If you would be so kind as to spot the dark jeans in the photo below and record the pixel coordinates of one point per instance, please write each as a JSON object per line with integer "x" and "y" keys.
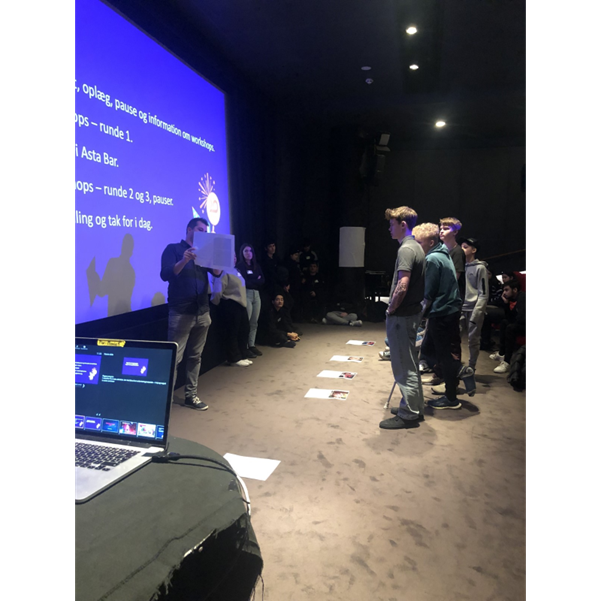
{"x": 446, "y": 341}
{"x": 428, "y": 350}
{"x": 235, "y": 318}
{"x": 494, "y": 315}
{"x": 509, "y": 334}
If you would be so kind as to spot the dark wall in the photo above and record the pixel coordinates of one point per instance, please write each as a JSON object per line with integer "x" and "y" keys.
{"x": 482, "y": 187}
{"x": 279, "y": 178}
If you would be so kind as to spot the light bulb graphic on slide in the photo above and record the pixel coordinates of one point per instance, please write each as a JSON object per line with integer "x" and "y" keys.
{"x": 208, "y": 199}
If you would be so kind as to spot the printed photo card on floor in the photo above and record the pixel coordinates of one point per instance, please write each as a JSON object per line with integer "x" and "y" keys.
{"x": 345, "y": 375}
{"x": 361, "y": 342}
{"x": 320, "y": 393}
{"x": 347, "y": 358}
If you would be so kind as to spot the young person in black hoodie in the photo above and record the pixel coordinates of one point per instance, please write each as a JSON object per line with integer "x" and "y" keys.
{"x": 307, "y": 256}
{"x": 495, "y": 311}
{"x": 513, "y": 325}
{"x": 270, "y": 267}
{"x": 294, "y": 282}
{"x": 276, "y": 326}
{"x": 314, "y": 295}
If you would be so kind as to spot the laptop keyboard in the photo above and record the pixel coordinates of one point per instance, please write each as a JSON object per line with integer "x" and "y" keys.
{"x": 97, "y": 457}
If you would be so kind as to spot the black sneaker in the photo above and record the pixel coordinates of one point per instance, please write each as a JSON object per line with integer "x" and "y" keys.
{"x": 443, "y": 403}
{"x": 255, "y": 351}
{"x": 395, "y": 410}
{"x": 196, "y": 403}
{"x": 248, "y": 354}
{"x": 289, "y": 344}
{"x": 396, "y": 423}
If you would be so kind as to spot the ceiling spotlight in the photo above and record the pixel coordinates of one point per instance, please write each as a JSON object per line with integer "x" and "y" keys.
{"x": 369, "y": 80}
{"x": 411, "y": 30}
{"x": 440, "y": 123}
{"x": 366, "y": 68}
{"x": 413, "y": 67}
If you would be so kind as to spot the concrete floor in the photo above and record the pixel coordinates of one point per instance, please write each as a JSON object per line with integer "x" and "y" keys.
{"x": 358, "y": 513}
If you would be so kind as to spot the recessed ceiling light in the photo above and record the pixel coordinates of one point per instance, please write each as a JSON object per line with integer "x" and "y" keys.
{"x": 369, "y": 80}
{"x": 366, "y": 68}
{"x": 413, "y": 67}
{"x": 411, "y": 30}
{"x": 440, "y": 123}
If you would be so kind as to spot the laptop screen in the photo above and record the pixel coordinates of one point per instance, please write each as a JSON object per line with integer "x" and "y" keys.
{"x": 123, "y": 389}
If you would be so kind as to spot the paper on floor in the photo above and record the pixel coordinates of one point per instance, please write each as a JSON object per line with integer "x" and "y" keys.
{"x": 252, "y": 467}
{"x": 361, "y": 342}
{"x": 346, "y": 358}
{"x": 345, "y": 375}
{"x": 320, "y": 393}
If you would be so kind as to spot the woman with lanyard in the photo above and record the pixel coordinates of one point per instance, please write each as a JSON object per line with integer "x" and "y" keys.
{"x": 253, "y": 276}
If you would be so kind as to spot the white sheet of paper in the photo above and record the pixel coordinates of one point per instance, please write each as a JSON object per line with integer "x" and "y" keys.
{"x": 320, "y": 393}
{"x": 361, "y": 342}
{"x": 327, "y": 373}
{"x": 252, "y": 467}
{"x": 214, "y": 250}
{"x": 346, "y": 358}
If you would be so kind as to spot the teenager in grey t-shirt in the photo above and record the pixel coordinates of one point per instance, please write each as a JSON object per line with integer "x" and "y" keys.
{"x": 410, "y": 257}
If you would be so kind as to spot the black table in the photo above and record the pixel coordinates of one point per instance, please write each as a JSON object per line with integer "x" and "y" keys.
{"x": 173, "y": 531}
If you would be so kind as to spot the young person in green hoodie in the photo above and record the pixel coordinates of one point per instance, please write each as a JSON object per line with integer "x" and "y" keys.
{"x": 443, "y": 304}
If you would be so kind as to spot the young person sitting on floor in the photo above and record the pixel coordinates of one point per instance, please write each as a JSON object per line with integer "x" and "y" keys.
{"x": 513, "y": 326}
{"x": 343, "y": 314}
{"x": 275, "y": 326}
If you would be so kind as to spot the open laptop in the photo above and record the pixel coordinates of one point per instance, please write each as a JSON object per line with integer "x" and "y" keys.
{"x": 123, "y": 394}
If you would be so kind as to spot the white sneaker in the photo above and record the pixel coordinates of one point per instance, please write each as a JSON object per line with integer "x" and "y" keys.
{"x": 357, "y": 323}
{"x": 243, "y": 363}
{"x": 502, "y": 369}
{"x": 496, "y": 357}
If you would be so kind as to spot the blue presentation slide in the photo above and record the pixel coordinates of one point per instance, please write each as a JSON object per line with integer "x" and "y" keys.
{"x": 150, "y": 154}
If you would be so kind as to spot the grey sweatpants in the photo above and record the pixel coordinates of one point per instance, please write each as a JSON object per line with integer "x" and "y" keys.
{"x": 335, "y": 317}
{"x": 471, "y": 322}
{"x": 401, "y": 333}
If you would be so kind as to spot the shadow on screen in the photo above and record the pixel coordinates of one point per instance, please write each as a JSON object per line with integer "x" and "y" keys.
{"x": 117, "y": 282}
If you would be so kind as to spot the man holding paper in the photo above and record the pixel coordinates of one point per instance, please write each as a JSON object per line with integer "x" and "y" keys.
{"x": 188, "y": 300}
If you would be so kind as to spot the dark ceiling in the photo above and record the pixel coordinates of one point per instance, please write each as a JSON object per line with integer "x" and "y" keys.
{"x": 307, "y": 56}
